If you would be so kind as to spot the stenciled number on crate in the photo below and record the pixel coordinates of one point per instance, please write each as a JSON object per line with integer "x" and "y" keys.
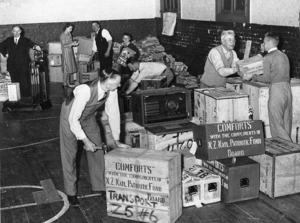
{"x": 181, "y": 145}
{"x": 128, "y": 212}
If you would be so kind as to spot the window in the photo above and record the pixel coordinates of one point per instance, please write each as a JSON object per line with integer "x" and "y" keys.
{"x": 232, "y": 11}
{"x": 170, "y": 6}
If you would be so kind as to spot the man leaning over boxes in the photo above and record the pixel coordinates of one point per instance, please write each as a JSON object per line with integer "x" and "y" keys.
{"x": 221, "y": 62}
{"x": 143, "y": 70}
{"x": 276, "y": 72}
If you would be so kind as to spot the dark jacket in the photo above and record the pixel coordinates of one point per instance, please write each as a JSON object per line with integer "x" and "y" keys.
{"x": 18, "y": 55}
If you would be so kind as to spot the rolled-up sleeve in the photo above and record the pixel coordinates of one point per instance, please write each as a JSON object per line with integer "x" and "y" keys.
{"x": 113, "y": 112}
{"x": 82, "y": 95}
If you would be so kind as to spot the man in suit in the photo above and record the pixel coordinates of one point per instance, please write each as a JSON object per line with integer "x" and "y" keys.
{"x": 277, "y": 73}
{"x": 102, "y": 45}
{"x": 16, "y": 48}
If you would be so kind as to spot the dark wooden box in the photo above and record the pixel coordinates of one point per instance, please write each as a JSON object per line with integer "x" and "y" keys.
{"x": 154, "y": 83}
{"x": 153, "y": 107}
{"x": 240, "y": 180}
{"x": 229, "y": 139}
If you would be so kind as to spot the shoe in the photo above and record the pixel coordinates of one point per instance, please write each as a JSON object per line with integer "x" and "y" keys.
{"x": 73, "y": 200}
{"x": 102, "y": 193}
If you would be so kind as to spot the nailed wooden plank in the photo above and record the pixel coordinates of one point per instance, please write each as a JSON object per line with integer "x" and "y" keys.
{"x": 50, "y": 190}
{"x": 247, "y": 49}
{"x": 40, "y": 197}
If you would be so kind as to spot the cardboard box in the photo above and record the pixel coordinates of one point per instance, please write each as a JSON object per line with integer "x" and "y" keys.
{"x": 240, "y": 180}
{"x": 83, "y": 57}
{"x": 279, "y": 168}
{"x": 13, "y": 90}
{"x": 231, "y": 139}
{"x": 89, "y": 76}
{"x": 96, "y": 65}
{"x": 204, "y": 183}
{"x": 154, "y": 83}
{"x": 151, "y": 180}
{"x": 188, "y": 159}
{"x": 252, "y": 65}
{"x": 54, "y": 48}
{"x": 55, "y": 74}
{"x": 54, "y": 60}
{"x": 215, "y": 105}
{"x": 3, "y": 92}
{"x": 85, "y": 46}
{"x": 258, "y": 99}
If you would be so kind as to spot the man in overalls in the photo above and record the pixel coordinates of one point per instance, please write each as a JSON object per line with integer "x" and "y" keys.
{"x": 78, "y": 122}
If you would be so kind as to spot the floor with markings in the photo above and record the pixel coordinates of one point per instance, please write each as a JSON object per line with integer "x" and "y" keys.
{"x": 31, "y": 180}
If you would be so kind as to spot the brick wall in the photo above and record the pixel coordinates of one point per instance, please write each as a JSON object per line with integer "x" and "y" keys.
{"x": 193, "y": 40}
{"x": 42, "y": 33}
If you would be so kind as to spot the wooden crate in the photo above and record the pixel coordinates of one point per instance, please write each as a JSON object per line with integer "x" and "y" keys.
{"x": 231, "y": 139}
{"x": 13, "y": 91}
{"x": 88, "y": 76}
{"x": 258, "y": 99}
{"x": 55, "y": 74}
{"x": 203, "y": 183}
{"x": 154, "y": 83}
{"x": 143, "y": 185}
{"x": 3, "y": 92}
{"x": 279, "y": 168}
{"x": 216, "y": 105}
{"x": 240, "y": 180}
{"x": 54, "y": 48}
{"x": 54, "y": 60}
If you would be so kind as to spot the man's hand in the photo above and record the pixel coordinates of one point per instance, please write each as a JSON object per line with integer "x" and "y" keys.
{"x": 121, "y": 145}
{"x": 106, "y": 54}
{"x": 89, "y": 145}
{"x": 75, "y": 43}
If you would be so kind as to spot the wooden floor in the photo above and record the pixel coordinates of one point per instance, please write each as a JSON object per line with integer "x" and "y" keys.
{"x": 29, "y": 153}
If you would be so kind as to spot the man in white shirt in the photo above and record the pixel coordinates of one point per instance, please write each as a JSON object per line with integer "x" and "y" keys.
{"x": 78, "y": 122}
{"x": 221, "y": 62}
{"x": 103, "y": 45}
{"x": 144, "y": 70}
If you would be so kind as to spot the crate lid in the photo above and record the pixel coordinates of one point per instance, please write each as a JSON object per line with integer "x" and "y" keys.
{"x": 142, "y": 154}
{"x": 221, "y": 93}
{"x": 256, "y": 84}
{"x": 278, "y": 146}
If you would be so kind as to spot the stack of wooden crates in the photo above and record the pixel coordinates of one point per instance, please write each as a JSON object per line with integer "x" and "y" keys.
{"x": 55, "y": 62}
{"x": 225, "y": 137}
{"x": 279, "y": 169}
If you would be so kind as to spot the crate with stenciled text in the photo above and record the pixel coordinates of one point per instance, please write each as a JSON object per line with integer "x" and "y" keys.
{"x": 214, "y": 105}
{"x": 240, "y": 178}
{"x": 279, "y": 168}
{"x": 143, "y": 185}
{"x": 230, "y": 139}
{"x": 203, "y": 186}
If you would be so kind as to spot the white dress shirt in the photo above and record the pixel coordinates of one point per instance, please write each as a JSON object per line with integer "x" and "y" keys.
{"x": 82, "y": 95}
{"x": 105, "y": 34}
{"x": 16, "y": 39}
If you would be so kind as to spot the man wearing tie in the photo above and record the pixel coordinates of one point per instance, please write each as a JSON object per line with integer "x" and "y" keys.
{"x": 78, "y": 122}
{"x": 16, "y": 48}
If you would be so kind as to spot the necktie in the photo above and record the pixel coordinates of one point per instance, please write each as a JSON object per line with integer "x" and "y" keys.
{"x": 16, "y": 41}
{"x": 104, "y": 97}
